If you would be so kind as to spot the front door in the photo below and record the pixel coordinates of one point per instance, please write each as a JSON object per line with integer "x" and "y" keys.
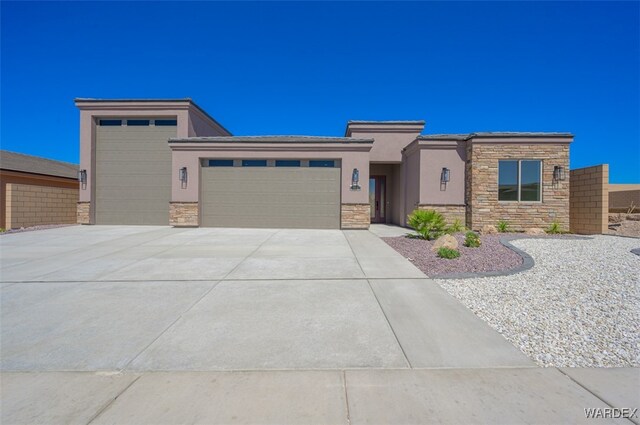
{"x": 377, "y": 198}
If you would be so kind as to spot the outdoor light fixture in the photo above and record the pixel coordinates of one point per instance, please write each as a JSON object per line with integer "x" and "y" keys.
{"x": 182, "y": 176}
{"x": 559, "y": 173}
{"x": 82, "y": 178}
{"x": 355, "y": 179}
{"x": 444, "y": 175}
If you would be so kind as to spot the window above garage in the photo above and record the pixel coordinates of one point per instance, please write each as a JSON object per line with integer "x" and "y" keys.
{"x": 137, "y": 122}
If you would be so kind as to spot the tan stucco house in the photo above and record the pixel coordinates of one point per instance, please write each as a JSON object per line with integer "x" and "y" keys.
{"x": 167, "y": 162}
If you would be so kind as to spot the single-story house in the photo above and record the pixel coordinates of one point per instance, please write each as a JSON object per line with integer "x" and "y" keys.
{"x": 36, "y": 191}
{"x": 168, "y": 162}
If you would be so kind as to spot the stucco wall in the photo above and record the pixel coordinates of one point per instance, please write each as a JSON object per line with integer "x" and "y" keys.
{"x": 433, "y": 157}
{"x": 29, "y": 205}
{"x": 412, "y": 183}
{"x": 484, "y": 207}
{"x": 189, "y": 155}
{"x": 590, "y": 200}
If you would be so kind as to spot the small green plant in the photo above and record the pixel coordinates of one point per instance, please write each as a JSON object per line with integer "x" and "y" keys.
{"x": 2, "y": 230}
{"x": 455, "y": 227}
{"x": 429, "y": 224}
{"x": 554, "y": 228}
{"x": 503, "y": 226}
{"x": 471, "y": 240}
{"x": 448, "y": 253}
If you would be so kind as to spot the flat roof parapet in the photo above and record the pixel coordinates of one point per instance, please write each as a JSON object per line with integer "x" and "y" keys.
{"x": 270, "y": 139}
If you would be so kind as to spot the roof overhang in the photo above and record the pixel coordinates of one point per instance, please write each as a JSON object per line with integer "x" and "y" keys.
{"x": 143, "y": 105}
{"x": 384, "y": 127}
{"x": 270, "y": 143}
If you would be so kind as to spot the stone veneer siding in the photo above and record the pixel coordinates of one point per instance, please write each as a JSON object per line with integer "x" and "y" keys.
{"x": 183, "y": 214}
{"x": 83, "y": 213}
{"x": 450, "y": 212}
{"x": 590, "y": 200}
{"x": 29, "y": 205}
{"x": 483, "y": 206}
{"x": 355, "y": 216}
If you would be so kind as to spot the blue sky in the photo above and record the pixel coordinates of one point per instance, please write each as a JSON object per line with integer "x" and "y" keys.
{"x": 307, "y": 68}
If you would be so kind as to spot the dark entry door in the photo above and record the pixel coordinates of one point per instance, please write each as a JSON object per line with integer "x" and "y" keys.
{"x": 377, "y": 198}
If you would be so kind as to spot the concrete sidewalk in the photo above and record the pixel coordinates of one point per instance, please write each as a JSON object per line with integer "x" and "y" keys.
{"x": 161, "y": 325}
{"x": 391, "y": 396}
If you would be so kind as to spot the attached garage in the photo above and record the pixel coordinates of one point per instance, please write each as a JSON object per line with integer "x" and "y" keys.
{"x": 270, "y": 197}
{"x": 133, "y": 171}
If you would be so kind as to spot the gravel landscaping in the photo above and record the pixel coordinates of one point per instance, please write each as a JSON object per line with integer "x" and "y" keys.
{"x": 579, "y": 306}
{"x": 490, "y": 256}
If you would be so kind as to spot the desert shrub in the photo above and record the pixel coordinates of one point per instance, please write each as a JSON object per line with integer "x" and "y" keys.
{"x": 471, "y": 240}
{"x": 503, "y": 226}
{"x": 429, "y": 224}
{"x": 448, "y": 253}
{"x": 554, "y": 228}
{"x": 455, "y": 227}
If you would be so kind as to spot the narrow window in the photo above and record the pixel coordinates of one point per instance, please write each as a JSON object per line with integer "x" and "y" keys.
{"x": 530, "y": 181}
{"x": 508, "y": 181}
{"x": 321, "y": 163}
{"x": 110, "y": 123}
{"x": 520, "y": 180}
{"x": 166, "y": 123}
{"x": 221, "y": 163}
{"x": 287, "y": 163}
{"x": 137, "y": 123}
{"x": 254, "y": 162}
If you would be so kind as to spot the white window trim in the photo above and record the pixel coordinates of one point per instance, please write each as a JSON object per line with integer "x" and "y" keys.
{"x": 519, "y": 182}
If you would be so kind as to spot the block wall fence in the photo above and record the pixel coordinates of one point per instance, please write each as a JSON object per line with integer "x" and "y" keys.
{"x": 30, "y": 205}
{"x": 589, "y": 200}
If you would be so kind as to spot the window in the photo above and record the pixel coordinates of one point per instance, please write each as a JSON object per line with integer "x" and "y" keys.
{"x": 221, "y": 163}
{"x": 287, "y": 163}
{"x": 140, "y": 123}
{"x": 321, "y": 163}
{"x": 254, "y": 162}
{"x": 520, "y": 180}
{"x": 166, "y": 123}
{"x": 110, "y": 123}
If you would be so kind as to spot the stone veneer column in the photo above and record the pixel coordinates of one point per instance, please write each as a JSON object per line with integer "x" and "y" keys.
{"x": 355, "y": 216}
{"x": 83, "y": 213}
{"x": 183, "y": 214}
{"x": 482, "y": 186}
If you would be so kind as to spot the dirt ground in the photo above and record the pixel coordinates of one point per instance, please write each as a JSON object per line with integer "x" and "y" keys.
{"x": 624, "y": 224}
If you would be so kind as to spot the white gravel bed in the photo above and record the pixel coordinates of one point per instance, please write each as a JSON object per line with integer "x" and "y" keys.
{"x": 579, "y": 306}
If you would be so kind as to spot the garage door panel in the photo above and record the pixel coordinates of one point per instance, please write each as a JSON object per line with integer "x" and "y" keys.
{"x": 271, "y": 197}
{"x": 133, "y": 175}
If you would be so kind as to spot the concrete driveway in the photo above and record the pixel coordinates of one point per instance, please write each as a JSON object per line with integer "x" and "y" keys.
{"x": 105, "y": 324}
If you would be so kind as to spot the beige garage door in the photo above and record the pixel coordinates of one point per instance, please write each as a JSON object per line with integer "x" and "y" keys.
{"x": 133, "y": 174}
{"x": 270, "y": 197}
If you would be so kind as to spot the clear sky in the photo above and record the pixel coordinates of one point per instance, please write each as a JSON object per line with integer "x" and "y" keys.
{"x": 307, "y": 68}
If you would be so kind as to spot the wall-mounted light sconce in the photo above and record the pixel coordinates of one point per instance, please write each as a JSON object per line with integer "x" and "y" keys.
{"x": 183, "y": 177}
{"x": 355, "y": 179}
{"x": 445, "y": 175}
{"x": 82, "y": 178}
{"x": 559, "y": 173}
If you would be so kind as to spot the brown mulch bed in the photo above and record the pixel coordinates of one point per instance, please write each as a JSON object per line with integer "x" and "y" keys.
{"x": 490, "y": 256}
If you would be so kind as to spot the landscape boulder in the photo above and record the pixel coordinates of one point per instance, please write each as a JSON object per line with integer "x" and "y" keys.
{"x": 535, "y": 231}
{"x": 445, "y": 241}
{"x": 489, "y": 229}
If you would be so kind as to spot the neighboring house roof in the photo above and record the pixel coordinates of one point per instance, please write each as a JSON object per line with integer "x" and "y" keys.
{"x": 36, "y": 165}
{"x": 270, "y": 139}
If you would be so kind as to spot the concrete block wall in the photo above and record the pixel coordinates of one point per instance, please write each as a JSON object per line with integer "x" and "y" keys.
{"x": 589, "y": 200}
{"x": 622, "y": 197}
{"x": 30, "y": 205}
